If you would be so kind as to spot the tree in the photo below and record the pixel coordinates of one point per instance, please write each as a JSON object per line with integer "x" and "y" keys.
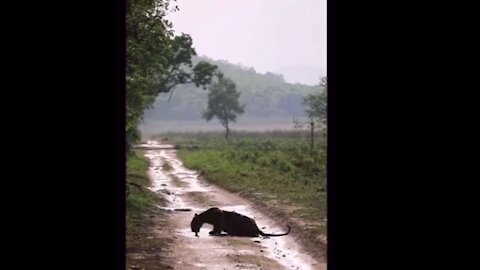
{"x": 157, "y": 60}
{"x": 316, "y": 108}
{"x": 317, "y": 103}
{"x": 223, "y": 103}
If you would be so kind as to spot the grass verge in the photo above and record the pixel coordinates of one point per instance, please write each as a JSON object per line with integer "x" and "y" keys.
{"x": 145, "y": 249}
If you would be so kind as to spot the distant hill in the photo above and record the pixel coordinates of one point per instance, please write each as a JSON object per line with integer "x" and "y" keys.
{"x": 302, "y": 74}
{"x": 268, "y": 98}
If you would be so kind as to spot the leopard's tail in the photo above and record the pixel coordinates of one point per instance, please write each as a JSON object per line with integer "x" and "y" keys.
{"x": 270, "y": 234}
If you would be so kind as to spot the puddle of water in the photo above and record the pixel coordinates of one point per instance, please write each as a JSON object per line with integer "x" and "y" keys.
{"x": 205, "y": 238}
{"x": 189, "y": 234}
{"x": 246, "y": 252}
{"x": 241, "y": 208}
{"x": 154, "y": 145}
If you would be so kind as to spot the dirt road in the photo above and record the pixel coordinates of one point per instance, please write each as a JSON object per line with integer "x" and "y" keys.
{"x": 188, "y": 194}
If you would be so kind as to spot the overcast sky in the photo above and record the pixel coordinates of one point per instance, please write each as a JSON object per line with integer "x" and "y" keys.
{"x": 282, "y": 36}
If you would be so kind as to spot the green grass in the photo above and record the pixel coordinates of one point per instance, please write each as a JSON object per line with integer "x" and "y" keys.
{"x": 139, "y": 199}
{"x": 273, "y": 168}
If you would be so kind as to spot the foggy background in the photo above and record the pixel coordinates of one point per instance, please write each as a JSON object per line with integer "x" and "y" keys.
{"x": 281, "y": 36}
{"x": 274, "y": 50}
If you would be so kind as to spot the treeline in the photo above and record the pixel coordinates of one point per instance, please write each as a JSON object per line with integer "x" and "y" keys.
{"x": 265, "y": 96}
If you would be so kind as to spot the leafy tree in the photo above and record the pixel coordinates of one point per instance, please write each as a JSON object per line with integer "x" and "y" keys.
{"x": 317, "y": 104}
{"x": 316, "y": 110}
{"x": 223, "y": 103}
{"x": 157, "y": 61}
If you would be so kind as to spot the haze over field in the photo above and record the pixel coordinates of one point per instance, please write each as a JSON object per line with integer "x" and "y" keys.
{"x": 274, "y": 50}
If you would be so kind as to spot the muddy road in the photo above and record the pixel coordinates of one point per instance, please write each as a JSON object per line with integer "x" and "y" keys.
{"x": 188, "y": 194}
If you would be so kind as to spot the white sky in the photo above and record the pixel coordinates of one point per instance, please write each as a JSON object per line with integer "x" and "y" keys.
{"x": 269, "y": 35}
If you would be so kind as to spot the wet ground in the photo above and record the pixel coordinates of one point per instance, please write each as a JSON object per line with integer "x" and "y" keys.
{"x": 188, "y": 194}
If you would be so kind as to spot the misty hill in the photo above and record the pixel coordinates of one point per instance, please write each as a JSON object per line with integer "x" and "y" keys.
{"x": 302, "y": 74}
{"x": 268, "y": 98}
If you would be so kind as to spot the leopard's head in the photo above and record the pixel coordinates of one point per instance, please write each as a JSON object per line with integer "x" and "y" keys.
{"x": 196, "y": 224}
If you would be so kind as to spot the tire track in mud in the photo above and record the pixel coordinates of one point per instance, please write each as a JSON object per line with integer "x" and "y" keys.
{"x": 187, "y": 194}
